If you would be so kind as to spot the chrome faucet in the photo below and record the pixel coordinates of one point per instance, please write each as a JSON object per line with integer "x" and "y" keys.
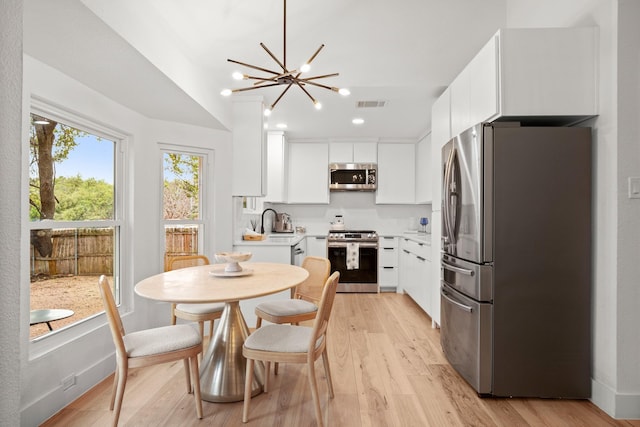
{"x": 262, "y": 220}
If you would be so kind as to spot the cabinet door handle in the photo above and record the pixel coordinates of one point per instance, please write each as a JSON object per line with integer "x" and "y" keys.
{"x": 388, "y": 268}
{"x": 388, "y": 249}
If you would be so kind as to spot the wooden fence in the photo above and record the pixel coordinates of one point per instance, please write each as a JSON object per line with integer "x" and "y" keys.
{"x": 89, "y": 251}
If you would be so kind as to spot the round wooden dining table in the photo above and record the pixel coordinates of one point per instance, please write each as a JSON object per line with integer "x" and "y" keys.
{"x": 223, "y": 367}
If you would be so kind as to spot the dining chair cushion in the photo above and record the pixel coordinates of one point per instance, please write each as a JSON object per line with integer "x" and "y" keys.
{"x": 281, "y": 338}
{"x": 289, "y": 307}
{"x": 200, "y": 308}
{"x": 161, "y": 340}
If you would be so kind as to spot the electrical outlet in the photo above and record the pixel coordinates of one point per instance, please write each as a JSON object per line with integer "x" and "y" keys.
{"x": 68, "y": 382}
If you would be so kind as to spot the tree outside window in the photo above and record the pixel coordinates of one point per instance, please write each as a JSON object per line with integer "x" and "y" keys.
{"x": 73, "y": 224}
{"x": 182, "y": 198}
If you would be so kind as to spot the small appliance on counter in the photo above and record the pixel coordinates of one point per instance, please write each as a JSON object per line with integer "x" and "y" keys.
{"x": 281, "y": 222}
{"x": 338, "y": 223}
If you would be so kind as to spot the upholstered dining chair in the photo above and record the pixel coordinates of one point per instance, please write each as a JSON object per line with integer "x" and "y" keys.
{"x": 293, "y": 344}
{"x": 304, "y": 303}
{"x": 149, "y": 347}
{"x": 194, "y": 312}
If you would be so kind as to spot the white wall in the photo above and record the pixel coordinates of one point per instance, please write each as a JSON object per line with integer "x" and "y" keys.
{"x": 359, "y": 212}
{"x": 90, "y": 356}
{"x": 616, "y": 355}
{"x": 10, "y": 208}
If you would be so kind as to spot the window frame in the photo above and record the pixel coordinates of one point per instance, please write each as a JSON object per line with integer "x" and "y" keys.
{"x": 205, "y": 196}
{"x": 45, "y": 343}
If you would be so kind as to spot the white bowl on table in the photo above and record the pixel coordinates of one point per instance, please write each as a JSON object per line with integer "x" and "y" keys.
{"x": 232, "y": 259}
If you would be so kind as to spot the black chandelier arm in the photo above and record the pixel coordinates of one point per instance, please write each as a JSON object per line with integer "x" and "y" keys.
{"x": 254, "y": 67}
{"x": 284, "y": 68}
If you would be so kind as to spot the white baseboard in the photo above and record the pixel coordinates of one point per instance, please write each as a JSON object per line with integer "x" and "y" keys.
{"x": 617, "y": 405}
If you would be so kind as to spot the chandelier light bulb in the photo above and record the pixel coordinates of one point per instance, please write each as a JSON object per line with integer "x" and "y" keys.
{"x": 305, "y": 68}
{"x": 267, "y": 112}
{"x": 237, "y": 75}
{"x": 357, "y": 121}
{"x": 317, "y": 105}
{"x": 225, "y": 92}
{"x": 344, "y": 91}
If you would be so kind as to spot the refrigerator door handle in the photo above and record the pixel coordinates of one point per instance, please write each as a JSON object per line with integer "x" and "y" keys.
{"x": 461, "y": 306}
{"x": 457, "y": 269}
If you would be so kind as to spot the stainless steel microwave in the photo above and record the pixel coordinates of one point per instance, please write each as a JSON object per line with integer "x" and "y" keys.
{"x": 353, "y": 177}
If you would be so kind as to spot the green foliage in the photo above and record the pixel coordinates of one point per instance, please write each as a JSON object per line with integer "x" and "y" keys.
{"x": 79, "y": 199}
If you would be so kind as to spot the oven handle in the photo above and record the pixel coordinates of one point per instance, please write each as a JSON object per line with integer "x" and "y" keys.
{"x": 455, "y": 269}
{"x": 344, "y": 245}
{"x": 461, "y": 306}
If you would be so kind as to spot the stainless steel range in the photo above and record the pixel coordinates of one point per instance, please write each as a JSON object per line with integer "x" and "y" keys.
{"x": 355, "y": 255}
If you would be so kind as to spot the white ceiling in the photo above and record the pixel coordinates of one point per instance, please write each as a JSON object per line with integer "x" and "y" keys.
{"x": 167, "y": 59}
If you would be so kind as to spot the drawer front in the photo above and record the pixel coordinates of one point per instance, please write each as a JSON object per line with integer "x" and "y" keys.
{"x": 388, "y": 276}
{"x": 388, "y": 257}
{"x": 388, "y": 242}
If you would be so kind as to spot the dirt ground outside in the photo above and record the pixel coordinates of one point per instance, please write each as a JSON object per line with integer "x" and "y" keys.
{"x": 77, "y": 293}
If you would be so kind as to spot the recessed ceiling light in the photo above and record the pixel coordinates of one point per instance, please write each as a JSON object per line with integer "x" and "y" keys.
{"x": 281, "y": 125}
{"x": 357, "y": 121}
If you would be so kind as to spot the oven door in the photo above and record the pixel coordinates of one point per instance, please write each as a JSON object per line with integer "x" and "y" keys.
{"x": 465, "y": 335}
{"x": 361, "y": 279}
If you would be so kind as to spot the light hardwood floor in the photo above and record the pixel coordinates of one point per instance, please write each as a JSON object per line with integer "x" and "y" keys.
{"x": 388, "y": 370}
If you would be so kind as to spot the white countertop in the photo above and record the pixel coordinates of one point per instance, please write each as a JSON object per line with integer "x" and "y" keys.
{"x": 284, "y": 239}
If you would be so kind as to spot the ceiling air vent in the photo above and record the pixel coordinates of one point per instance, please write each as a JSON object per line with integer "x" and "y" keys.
{"x": 371, "y": 104}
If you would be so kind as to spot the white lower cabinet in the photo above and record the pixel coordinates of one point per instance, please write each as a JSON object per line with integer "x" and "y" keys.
{"x": 317, "y": 246}
{"x": 415, "y": 272}
{"x": 388, "y": 263}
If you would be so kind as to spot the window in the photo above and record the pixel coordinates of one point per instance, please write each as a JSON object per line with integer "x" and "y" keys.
{"x": 75, "y": 218}
{"x": 183, "y": 202}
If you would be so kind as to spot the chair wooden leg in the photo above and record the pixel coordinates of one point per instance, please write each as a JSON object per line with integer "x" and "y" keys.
{"x": 247, "y": 390}
{"x": 122, "y": 382}
{"x": 267, "y": 374}
{"x": 195, "y": 373}
{"x": 275, "y": 368}
{"x": 258, "y": 322}
{"x": 327, "y": 370}
{"x": 187, "y": 375}
{"x": 114, "y": 389}
{"x": 314, "y": 393}
{"x": 211, "y": 329}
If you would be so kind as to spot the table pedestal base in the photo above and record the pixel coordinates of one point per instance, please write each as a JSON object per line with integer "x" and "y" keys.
{"x": 223, "y": 368}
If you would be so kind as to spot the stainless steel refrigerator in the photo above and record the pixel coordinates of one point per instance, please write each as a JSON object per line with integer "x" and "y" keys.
{"x": 516, "y": 259}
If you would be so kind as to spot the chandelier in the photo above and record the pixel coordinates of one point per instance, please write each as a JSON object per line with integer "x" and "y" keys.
{"x": 284, "y": 76}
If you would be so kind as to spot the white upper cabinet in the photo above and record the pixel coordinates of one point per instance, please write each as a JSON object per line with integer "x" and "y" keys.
{"x": 277, "y": 167}
{"x": 308, "y": 172}
{"x": 423, "y": 170}
{"x": 548, "y": 73}
{"x": 353, "y": 152}
{"x": 396, "y": 174}
{"x": 440, "y": 134}
{"x": 249, "y": 148}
